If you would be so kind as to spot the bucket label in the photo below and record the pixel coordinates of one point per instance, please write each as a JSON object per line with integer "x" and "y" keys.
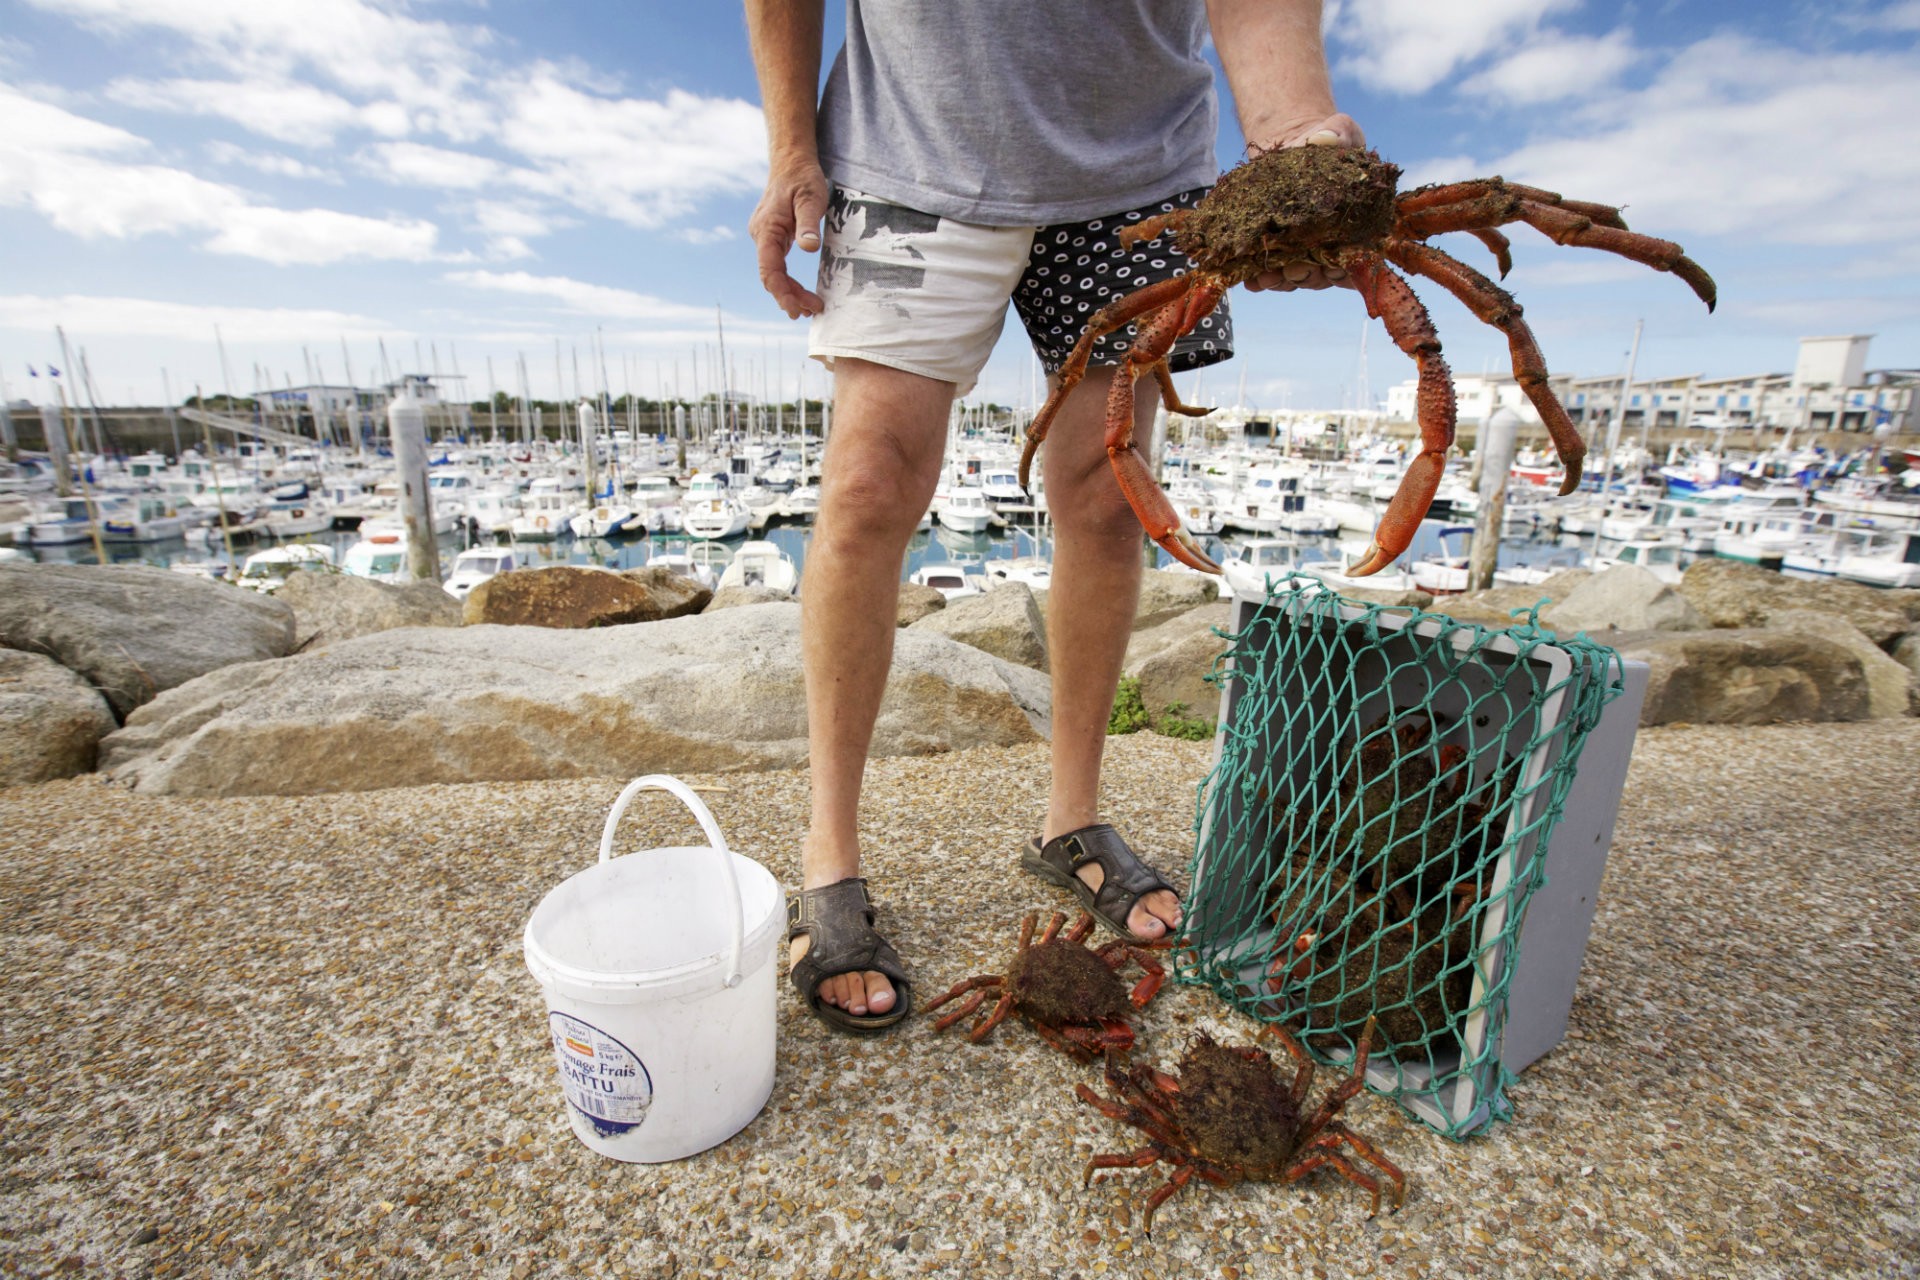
{"x": 604, "y": 1080}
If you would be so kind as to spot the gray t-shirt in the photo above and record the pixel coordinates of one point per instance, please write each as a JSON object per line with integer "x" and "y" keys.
{"x": 1021, "y": 112}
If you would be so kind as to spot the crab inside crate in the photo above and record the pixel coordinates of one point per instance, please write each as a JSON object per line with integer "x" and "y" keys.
{"x": 1385, "y": 786}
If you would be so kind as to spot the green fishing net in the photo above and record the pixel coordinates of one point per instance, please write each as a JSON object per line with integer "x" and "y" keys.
{"x": 1376, "y": 821}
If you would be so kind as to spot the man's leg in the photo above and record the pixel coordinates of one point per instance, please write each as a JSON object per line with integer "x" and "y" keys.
{"x": 881, "y": 467}
{"x": 1097, "y": 559}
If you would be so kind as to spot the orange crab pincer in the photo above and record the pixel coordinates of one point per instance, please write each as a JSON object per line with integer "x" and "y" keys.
{"x": 1341, "y": 208}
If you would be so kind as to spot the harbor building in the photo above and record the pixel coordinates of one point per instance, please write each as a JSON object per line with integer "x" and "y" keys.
{"x": 1830, "y": 389}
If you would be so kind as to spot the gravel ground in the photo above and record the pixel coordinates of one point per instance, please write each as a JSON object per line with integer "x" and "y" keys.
{"x": 294, "y": 1037}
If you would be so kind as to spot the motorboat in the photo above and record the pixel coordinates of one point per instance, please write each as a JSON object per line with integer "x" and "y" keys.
{"x": 1255, "y": 568}
{"x": 1881, "y": 558}
{"x": 1035, "y": 571}
{"x": 711, "y": 509}
{"x": 965, "y": 510}
{"x": 70, "y": 521}
{"x": 710, "y": 560}
{"x": 761, "y": 564}
{"x": 802, "y": 502}
{"x": 546, "y": 512}
{"x": 1660, "y": 557}
{"x": 1001, "y": 486}
{"x": 269, "y": 570}
{"x": 146, "y": 519}
{"x": 1760, "y": 539}
{"x": 1445, "y": 572}
{"x": 1194, "y": 503}
{"x": 381, "y": 555}
{"x": 949, "y": 579}
{"x": 603, "y": 520}
{"x": 1532, "y": 575}
{"x": 300, "y": 517}
{"x": 475, "y": 565}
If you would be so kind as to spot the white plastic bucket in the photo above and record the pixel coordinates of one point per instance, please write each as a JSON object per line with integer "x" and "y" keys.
{"x": 658, "y": 972}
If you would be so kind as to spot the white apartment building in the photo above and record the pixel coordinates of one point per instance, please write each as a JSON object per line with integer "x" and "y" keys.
{"x": 1830, "y": 389}
{"x": 1478, "y": 394}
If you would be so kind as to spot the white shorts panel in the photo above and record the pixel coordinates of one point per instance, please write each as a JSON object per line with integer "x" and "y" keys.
{"x": 912, "y": 290}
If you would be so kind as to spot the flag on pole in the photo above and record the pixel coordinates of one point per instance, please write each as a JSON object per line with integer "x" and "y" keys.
{"x": 52, "y": 372}
{"x": 32, "y": 372}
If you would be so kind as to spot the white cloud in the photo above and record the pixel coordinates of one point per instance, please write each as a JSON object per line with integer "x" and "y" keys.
{"x": 1738, "y": 138}
{"x": 707, "y": 235}
{"x": 1901, "y": 16}
{"x": 315, "y": 237}
{"x": 72, "y": 171}
{"x": 374, "y": 50}
{"x": 581, "y": 297}
{"x": 639, "y": 161}
{"x": 416, "y": 164}
{"x": 147, "y": 318}
{"x": 270, "y": 162}
{"x": 282, "y": 110}
{"x": 503, "y": 218}
{"x": 1409, "y": 46}
{"x": 1551, "y": 67}
{"x": 321, "y": 69}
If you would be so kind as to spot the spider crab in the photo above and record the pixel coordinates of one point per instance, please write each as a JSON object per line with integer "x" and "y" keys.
{"x": 1071, "y": 994}
{"x": 1339, "y": 208}
{"x": 1230, "y": 1116}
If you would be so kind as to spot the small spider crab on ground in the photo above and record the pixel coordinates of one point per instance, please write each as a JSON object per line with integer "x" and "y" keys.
{"x": 1071, "y": 994}
{"x": 1229, "y": 1116}
{"x": 1336, "y": 207}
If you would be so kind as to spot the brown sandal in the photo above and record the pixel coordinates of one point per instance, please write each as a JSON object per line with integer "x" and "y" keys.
{"x": 1125, "y": 879}
{"x": 838, "y": 921}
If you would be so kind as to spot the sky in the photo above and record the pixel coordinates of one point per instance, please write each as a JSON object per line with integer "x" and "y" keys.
{"x": 565, "y": 185}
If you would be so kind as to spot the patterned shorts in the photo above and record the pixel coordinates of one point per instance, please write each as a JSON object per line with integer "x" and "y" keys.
{"x": 923, "y": 293}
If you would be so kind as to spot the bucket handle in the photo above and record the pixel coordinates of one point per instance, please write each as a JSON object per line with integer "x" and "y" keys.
{"x": 661, "y": 782}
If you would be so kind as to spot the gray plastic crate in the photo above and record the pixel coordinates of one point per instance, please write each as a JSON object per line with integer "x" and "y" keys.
{"x": 1559, "y": 914}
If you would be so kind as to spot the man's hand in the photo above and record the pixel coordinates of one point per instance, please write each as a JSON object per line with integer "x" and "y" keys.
{"x": 1338, "y": 130}
{"x": 789, "y": 211}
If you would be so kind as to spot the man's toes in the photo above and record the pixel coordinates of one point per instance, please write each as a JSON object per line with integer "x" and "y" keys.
{"x": 1144, "y": 923}
{"x": 878, "y": 993}
{"x": 839, "y": 991}
{"x": 1155, "y": 914}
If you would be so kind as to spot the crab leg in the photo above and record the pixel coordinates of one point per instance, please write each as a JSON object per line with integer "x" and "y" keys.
{"x": 1132, "y": 1160}
{"x": 1052, "y": 931}
{"x": 1567, "y": 226}
{"x": 1306, "y": 1164}
{"x": 1117, "y": 953}
{"x": 1390, "y": 300}
{"x": 1575, "y": 222}
{"x": 966, "y": 1006}
{"x": 1337, "y": 1133}
{"x": 1148, "y": 353}
{"x": 1115, "y": 315}
{"x": 1495, "y": 306}
{"x": 1338, "y": 1095}
{"x": 985, "y": 1027}
{"x": 1453, "y": 193}
{"x": 1303, "y": 1065}
{"x": 1181, "y": 1177}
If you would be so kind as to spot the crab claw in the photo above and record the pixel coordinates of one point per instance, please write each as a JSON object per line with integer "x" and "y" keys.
{"x": 1155, "y": 512}
{"x": 1406, "y": 509}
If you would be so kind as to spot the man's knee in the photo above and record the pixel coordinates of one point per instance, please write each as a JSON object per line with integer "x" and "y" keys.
{"x": 875, "y": 496}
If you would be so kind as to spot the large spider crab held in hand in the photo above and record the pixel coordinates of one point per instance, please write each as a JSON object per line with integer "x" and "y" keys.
{"x": 1338, "y": 208}
{"x": 1229, "y": 1116}
{"x": 1071, "y": 994}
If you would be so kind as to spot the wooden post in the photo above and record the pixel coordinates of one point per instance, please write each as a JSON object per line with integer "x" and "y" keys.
{"x": 407, "y": 424}
{"x": 1496, "y": 439}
